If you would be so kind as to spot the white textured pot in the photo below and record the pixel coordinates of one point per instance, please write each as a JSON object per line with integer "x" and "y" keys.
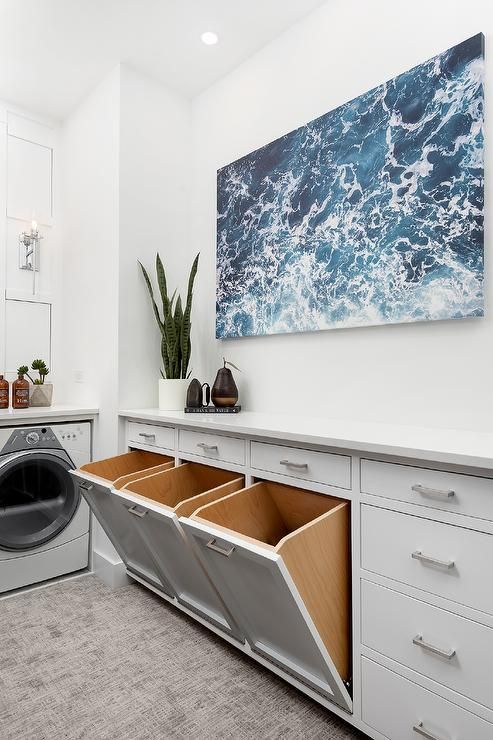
{"x": 172, "y": 394}
{"x": 40, "y": 395}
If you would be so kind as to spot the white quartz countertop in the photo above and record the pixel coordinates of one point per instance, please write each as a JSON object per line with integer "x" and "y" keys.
{"x": 452, "y": 446}
{"x": 37, "y": 414}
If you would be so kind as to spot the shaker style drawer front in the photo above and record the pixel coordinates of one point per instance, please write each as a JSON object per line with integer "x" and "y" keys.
{"x": 449, "y": 561}
{"x": 213, "y": 446}
{"x": 402, "y": 710}
{"x": 120, "y": 527}
{"x": 320, "y": 467}
{"x": 151, "y": 434}
{"x": 156, "y": 502}
{"x": 454, "y": 492}
{"x": 449, "y": 649}
{"x": 279, "y": 557}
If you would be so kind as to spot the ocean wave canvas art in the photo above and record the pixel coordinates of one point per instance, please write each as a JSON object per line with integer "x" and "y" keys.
{"x": 370, "y": 214}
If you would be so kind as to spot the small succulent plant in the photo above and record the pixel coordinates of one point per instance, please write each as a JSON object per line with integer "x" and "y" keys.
{"x": 40, "y": 366}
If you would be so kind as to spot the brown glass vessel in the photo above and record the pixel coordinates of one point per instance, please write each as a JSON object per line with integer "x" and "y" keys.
{"x": 4, "y": 393}
{"x": 20, "y": 393}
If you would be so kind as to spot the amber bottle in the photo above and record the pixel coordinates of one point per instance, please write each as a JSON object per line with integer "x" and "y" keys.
{"x": 20, "y": 393}
{"x": 4, "y": 393}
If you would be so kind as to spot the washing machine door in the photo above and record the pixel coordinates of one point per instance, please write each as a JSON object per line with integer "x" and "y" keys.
{"x": 38, "y": 498}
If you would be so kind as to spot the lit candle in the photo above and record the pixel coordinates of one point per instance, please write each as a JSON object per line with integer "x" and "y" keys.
{"x": 34, "y": 226}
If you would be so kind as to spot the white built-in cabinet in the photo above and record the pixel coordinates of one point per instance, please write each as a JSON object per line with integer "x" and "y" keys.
{"x": 361, "y": 579}
{"x": 27, "y": 298}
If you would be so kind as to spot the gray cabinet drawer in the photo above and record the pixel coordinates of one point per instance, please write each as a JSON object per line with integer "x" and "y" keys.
{"x": 213, "y": 446}
{"x": 449, "y": 649}
{"x": 320, "y": 467}
{"x": 394, "y": 706}
{"x": 454, "y": 492}
{"x": 442, "y": 559}
{"x": 152, "y": 435}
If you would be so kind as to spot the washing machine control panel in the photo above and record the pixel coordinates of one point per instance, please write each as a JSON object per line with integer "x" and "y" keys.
{"x": 73, "y": 437}
{"x": 24, "y": 439}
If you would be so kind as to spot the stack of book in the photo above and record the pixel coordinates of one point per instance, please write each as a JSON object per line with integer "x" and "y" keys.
{"x": 212, "y": 409}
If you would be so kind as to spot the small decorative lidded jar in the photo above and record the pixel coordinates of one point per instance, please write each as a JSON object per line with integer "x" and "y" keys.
{"x": 224, "y": 391}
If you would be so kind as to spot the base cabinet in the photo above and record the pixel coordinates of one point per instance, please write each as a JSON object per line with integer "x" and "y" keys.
{"x": 307, "y": 583}
{"x": 402, "y": 710}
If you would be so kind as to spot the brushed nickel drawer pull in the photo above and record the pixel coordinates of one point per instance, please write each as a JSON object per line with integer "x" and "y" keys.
{"x": 418, "y": 640}
{"x": 147, "y": 435}
{"x": 212, "y": 545}
{"x": 433, "y": 492}
{"x": 86, "y": 486}
{"x": 133, "y": 510}
{"x": 298, "y": 466}
{"x": 206, "y": 447}
{"x": 418, "y": 555}
{"x": 420, "y": 729}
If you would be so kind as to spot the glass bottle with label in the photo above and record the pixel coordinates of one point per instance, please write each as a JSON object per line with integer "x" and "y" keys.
{"x": 20, "y": 393}
{"x": 4, "y": 393}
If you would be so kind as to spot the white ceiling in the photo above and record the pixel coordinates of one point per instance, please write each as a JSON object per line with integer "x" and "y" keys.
{"x": 53, "y": 52}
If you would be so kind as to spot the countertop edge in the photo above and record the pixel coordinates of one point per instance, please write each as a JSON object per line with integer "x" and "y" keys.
{"x": 357, "y": 443}
{"x": 34, "y": 414}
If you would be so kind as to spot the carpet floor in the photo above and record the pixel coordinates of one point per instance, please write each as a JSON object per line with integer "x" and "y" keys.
{"x": 79, "y": 660}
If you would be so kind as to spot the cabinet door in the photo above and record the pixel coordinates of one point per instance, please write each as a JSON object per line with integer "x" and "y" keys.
{"x": 256, "y": 586}
{"x": 119, "y": 523}
{"x": 164, "y": 536}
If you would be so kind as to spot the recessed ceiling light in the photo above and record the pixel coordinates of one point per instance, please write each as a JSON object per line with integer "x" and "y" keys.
{"x": 209, "y": 38}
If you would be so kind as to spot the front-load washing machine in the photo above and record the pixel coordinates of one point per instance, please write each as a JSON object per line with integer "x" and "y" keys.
{"x": 44, "y": 521}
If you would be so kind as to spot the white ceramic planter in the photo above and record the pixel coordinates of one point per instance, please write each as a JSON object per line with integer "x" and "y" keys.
{"x": 172, "y": 394}
{"x": 40, "y": 395}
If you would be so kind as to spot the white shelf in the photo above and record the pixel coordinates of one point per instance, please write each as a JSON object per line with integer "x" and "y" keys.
{"x": 11, "y": 417}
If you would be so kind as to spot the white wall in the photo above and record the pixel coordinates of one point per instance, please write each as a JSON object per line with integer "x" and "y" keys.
{"x": 433, "y": 374}
{"x": 90, "y": 208}
{"x": 154, "y": 216}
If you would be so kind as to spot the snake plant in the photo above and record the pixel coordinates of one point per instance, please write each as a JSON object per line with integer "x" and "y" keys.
{"x": 174, "y": 323}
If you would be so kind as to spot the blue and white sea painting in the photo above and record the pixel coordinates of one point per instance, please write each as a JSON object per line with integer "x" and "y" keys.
{"x": 370, "y": 214}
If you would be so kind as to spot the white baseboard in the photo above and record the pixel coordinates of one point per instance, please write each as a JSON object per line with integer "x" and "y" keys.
{"x": 112, "y": 572}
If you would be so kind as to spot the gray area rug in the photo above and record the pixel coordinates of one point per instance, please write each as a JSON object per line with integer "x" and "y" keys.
{"x": 79, "y": 660}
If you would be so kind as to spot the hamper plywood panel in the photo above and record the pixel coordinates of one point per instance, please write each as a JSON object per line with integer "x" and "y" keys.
{"x": 280, "y": 557}
{"x": 160, "y": 500}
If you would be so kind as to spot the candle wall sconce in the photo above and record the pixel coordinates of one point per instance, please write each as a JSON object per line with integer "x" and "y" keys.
{"x": 29, "y": 248}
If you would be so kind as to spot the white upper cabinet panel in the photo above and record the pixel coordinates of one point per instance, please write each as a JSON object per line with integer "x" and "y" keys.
{"x": 26, "y": 128}
{"x": 27, "y": 334}
{"x": 29, "y": 190}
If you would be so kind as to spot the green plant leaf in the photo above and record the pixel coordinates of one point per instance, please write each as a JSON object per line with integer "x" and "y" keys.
{"x": 186, "y": 348}
{"x": 38, "y": 365}
{"x": 151, "y": 293}
{"x": 162, "y": 284}
{"x": 165, "y": 356}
